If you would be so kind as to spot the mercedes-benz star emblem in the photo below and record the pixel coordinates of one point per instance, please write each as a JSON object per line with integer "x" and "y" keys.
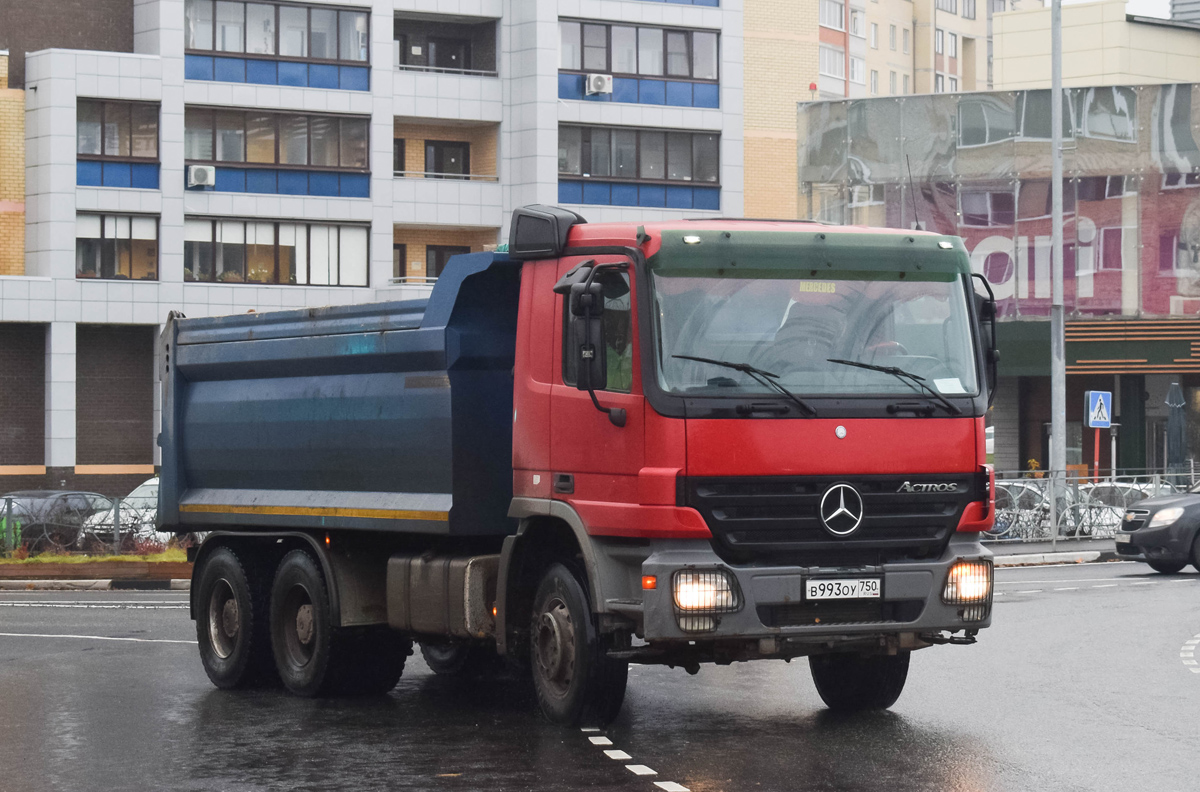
{"x": 841, "y": 509}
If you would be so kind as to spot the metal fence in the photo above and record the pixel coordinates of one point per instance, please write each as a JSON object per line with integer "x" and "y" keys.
{"x": 1038, "y": 506}
{"x": 79, "y": 523}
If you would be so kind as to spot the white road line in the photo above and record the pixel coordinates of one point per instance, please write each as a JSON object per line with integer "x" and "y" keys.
{"x": 589, "y": 730}
{"x": 94, "y": 638}
{"x": 1044, "y": 582}
{"x": 1068, "y": 588}
{"x": 640, "y": 770}
{"x": 1143, "y": 583}
{"x": 89, "y": 606}
{"x": 671, "y": 786}
{"x": 599, "y": 741}
{"x": 1107, "y": 585}
{"x": 1031, "y": 591}
{"x": 620, "y": 756}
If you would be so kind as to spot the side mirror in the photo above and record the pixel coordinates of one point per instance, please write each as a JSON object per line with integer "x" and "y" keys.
{"x": 985, "y": 307}
{"x": 587, "y": 328}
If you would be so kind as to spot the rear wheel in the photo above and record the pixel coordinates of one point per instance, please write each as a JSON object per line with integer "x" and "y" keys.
{"x": 852, "y": 682}
{"x": 1167, "y": 567}
{"x": 1196, "y": 552}
{"x": 452, "y": 658}
{"x": 301, "y": 626}
{"x": 574, "y": 679}
{"x": 231, "y": 622}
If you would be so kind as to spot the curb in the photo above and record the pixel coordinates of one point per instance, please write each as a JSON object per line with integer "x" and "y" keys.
{"x": 1039, "y": 559}
{"x": 95, "y": 585}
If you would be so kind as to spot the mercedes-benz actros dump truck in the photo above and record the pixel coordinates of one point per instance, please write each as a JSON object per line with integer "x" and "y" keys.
{"x": 678, "y": 442}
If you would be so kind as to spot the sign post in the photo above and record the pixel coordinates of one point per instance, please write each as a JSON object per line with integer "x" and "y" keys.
{"x": 1098, "y": 408}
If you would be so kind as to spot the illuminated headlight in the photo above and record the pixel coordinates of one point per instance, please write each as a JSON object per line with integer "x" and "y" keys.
{"x": 968, "y": 582}
{"x": 701, "y": 594}
{"x": 1165, "y": 517}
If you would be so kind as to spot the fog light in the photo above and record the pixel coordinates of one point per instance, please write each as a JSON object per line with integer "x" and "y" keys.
{"x": 711, "y": 591}
{"x": 968, "y": 582}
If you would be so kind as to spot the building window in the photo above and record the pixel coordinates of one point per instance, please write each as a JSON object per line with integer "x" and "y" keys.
{"x": 905, "y": 41}
{"x": 906, "y": 83}
{"x": 892, "y": 37}
{"x": 447, "y": 159}
{"x": 437, "y": 256}
{"x": 987, "y": 209}
{"x": 950, "y": 6}
{"x": 953, "y": 85}
{"x": 939, "y": 39}
{"x": 641, "y": 155}
{"x": 832, "y": 62}
{"x": 892, "y": 83}
{"x": 939, "y": 83}
{"x": 953, "y": 45}
{"x": 116, "y": 247}
{"x": 399, "y": 261}
{"x": 243, "y": 251}
{"x": 398, "y": 166}
{"x": 268, "y": 29}
{"x": 874, "y": 81}
{"x": 858, "y": 70}
{"x": 856, "y": 23}
{"x": 285, "y": 140}
{"x": 874, "y": 36}
{"x": 116, "y": 130}
{"x": 833, "y": 14}
{"x": 627, "y": 50}
{"x": 968, "y": 9}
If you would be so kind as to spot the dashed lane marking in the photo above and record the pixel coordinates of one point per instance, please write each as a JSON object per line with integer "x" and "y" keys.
{"x": 1068, "y": 588}
{"x": 91, "y": 606}
{"x": 1107, "y": 585}
{"x": 636, "y": 769}
{"x": 94, "y": 638}
{"x": 1187, "y": 654}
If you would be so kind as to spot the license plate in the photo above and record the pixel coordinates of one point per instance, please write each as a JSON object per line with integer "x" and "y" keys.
{"x": 842, "y": 588}
{"x": 1124, "y": 538}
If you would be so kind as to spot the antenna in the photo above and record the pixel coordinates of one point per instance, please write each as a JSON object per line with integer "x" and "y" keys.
{"x": 913, "y": 194}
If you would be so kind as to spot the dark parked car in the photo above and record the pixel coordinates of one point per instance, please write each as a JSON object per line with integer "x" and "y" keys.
{"x": 1162, "y": 531}
{"x": 50, "y": 520}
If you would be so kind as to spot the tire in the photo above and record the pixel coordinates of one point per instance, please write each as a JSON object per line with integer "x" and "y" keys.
{"x": 369, "y": 661}
{"x": 1167, "y": 567}
{"x": 458, "y": 659}
{"x": 575, "y": 681}
{"x": 302, "y": 626}
{"x": 231, "y": 623}
{"x": 853, "y": 682}
{"x": 1196, "y": 552}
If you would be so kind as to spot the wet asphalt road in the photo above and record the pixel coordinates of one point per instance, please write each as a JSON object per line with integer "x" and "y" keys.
{"x": 1085, "y": 682}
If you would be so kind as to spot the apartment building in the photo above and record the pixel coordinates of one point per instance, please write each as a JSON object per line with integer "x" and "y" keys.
{"x": 265, "y": 154}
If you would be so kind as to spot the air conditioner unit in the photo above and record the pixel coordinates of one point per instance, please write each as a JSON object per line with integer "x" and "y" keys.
{"x": 599, "y": 84}
{"x": 201, "y": 175}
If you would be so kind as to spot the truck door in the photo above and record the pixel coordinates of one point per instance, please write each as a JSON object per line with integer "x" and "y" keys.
{"x": 602, "y": 460}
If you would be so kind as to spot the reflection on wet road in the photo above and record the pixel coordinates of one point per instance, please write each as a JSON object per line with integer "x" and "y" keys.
{"x": 1079, "y": 686}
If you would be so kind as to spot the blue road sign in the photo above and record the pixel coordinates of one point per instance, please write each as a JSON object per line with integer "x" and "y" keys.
{"x": 1098, "y": 405}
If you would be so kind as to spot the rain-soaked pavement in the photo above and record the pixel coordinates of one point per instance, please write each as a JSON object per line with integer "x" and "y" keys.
{"x": 1085, "y": 682}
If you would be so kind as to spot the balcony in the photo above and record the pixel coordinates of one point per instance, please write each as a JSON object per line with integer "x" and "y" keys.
{"x": 445, "y": 44}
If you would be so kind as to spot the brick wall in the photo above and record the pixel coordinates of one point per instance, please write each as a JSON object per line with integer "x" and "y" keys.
{"x": 12, "y": 176}
{"x": 781, "y": 59}
{"x": 66, "y": 478}
{"x": 482, "y": 139}
{"x": 415, "y": 241}
{"x": 22, "y": 393}
{"x": 27, "y": 26}
{"x": 114, "y": 395}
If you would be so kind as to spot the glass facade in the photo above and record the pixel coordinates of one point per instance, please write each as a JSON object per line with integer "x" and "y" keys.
{"x": 978, "y": 166}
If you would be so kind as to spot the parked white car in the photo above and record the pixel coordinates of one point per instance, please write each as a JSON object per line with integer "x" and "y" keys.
{"x": 139, "y": 509}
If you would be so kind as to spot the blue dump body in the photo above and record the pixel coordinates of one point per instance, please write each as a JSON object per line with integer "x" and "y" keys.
{"x": 391, "y": 416}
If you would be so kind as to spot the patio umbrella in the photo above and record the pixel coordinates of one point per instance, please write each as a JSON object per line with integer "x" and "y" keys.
{"x": 1176, "y": 429}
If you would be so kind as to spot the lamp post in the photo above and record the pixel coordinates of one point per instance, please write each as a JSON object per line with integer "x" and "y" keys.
{"x": 1058, "y": 367}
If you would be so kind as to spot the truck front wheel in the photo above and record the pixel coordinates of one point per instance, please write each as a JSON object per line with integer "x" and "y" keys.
{"x": 852, "y": 682}
{"x": 231, "y": 622}
{"x": 575, "y": 680}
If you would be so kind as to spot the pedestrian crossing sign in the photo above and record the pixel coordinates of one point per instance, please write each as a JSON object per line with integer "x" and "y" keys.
{"x": 1099, "y": 409}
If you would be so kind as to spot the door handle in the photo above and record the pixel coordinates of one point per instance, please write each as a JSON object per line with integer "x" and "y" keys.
{"x": 564, "y": 483}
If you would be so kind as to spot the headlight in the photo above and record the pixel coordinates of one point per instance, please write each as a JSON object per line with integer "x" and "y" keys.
{"x": 710, "y": 591}
{"x": 968, "y": 582}
{"x": 1165, "y": 517}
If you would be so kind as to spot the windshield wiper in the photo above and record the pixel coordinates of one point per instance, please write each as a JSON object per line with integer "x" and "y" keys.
{"x": 758, "y": 375}
{"x": 915, "y": 381}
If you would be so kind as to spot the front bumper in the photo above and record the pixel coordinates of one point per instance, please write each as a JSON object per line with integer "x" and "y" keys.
{"x": 773, "y": 605}
{"x": 1165, "y": 543}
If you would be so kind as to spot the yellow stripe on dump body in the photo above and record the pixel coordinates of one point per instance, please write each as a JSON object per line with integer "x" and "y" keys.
{"x": 316, "y": 511}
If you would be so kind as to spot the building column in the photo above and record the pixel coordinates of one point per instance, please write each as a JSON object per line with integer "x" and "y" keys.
{"x": 60, "y": 396}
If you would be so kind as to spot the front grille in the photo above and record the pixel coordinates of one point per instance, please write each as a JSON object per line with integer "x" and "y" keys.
{"x": 1139, "y": 519}
{"x": 799, "y": 614}
{"x": 776, "y": 520}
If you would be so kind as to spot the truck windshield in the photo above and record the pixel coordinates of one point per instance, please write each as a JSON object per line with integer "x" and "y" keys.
{"x": 793, "y": 327}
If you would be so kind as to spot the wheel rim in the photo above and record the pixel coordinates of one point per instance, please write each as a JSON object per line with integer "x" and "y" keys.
{"x": 554, "y": 647}
{"x": 224, "y": 619}
{"x": 299, "y": 627}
